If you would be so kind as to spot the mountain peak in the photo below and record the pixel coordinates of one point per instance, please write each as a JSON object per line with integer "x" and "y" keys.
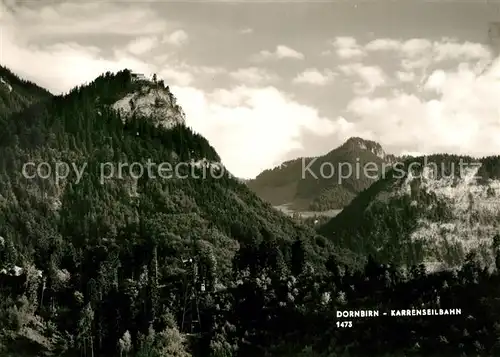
{"x": 151, "y": 99}
{"x": 363, "y": 144}
{"x": 358, "y": 140}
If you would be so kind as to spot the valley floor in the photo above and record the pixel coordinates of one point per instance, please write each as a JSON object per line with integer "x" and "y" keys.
{"x": 285, "y": 208}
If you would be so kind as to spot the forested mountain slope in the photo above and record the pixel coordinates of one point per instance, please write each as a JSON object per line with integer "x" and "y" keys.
{"x": 16, "y": 94}
{"x": 432, "y": 209}
{"x": 91, "y": 236}
{"x": 100, "y": 265}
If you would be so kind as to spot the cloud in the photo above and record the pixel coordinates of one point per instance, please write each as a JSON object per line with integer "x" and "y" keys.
{"x": 466, "y": 50}
{"x": 436, "y": 80}
{"x": 419, "y": 49}
{"x": 350, "y": 52}
{"x": 252, "y": 128}
{"x": 142, "y": 45}
{"x": 182, "y": 78}
{"x": 383, "y": 44}
{"x": 419, "y": 63}
{"x": 281, "y": 52}
{"x": 405, "y": 76}
{"x": 176, "y": 38}
{"x": 415, "y": 46}
{"x": 82, "y": 18}
{"x": 184, "y": 74}
{"x": 421, "y": 55}
{"x": 252, "y": 75}
{"x": 371, "y": 77}
{"x": 315, "y": 77}
{"x": 462, "y": 118}
{"x": 60, "y": 67}
{"x": 347, "y": 48}
{"x": 64, "y": 65}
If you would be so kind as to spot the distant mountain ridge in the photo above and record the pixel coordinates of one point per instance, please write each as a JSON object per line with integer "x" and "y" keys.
{"x": 305, "y": 183}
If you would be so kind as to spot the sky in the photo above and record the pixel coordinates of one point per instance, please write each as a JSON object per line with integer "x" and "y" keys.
{"x": 269, "y": 81}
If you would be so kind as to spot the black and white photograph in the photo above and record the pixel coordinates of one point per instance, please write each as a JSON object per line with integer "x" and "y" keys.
{"x": 249, "y": 178}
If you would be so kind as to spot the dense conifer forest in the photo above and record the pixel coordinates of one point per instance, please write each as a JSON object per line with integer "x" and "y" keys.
{"x": 198, "y": 267}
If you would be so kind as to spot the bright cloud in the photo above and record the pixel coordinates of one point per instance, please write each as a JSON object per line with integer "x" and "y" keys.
{"x": 61, "y": 67}
{"x": 233, "y": 120}
{"x": 442, "y": 50}
{"x": 371, "y": 77}
{"x": 315, "y": 77}
{"x": 142, "y": 45}
{"x": 465, "y": 118}
{"x": 405, "y": 76}
{"x": 176, "y": 38}
{"x": 347, "y": 48}
{"x": 466, "y": 51}
{"x": 383, "y": 44}
{"x": 280, "y": 52}
{"x": 171, "y": 75}
{"x": 436, "y": 80}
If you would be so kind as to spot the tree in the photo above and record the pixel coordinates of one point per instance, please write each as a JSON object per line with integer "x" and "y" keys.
{"x": 125, "y": 344}
{"x": 171, "y": 342}
{"x": 298, "y": 257}
{"x": 496, "y": 250}
{"x": 85, "y": 333}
